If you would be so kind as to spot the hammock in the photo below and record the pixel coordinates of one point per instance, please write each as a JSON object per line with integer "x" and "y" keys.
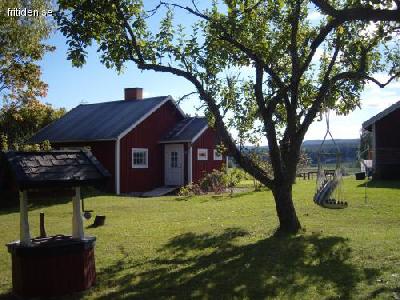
{"x": 329, "y": 186}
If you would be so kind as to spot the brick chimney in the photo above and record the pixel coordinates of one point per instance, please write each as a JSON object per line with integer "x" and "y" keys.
{"x": 133, "y": 93}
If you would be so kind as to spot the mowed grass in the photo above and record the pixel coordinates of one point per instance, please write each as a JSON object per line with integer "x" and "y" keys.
{"x": 221, "y": 247}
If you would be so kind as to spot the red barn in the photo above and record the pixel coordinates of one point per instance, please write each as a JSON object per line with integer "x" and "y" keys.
{"x": 385, "y": 142}
{"x": 143, "y": 143}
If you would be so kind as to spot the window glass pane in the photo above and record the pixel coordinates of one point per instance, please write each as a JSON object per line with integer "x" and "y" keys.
{"x": 202, "y": 154}
{"x": 174, "y": 159}
{"x": 139, "y": 157}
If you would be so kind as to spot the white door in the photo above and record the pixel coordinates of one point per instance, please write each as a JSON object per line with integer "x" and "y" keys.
{"x": 173, "y": 164}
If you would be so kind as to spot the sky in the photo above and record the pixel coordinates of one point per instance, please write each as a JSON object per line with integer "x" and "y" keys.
{"x": 70, "y": 86}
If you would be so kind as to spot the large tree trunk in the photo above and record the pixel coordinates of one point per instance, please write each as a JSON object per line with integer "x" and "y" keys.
{"x": 288, "y": 221}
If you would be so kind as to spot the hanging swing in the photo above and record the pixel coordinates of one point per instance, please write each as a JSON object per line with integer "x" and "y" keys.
{"x": 329, "y": 186}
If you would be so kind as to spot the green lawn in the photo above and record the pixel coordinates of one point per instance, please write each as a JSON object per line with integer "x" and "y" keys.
{"x": 218, "y": 247}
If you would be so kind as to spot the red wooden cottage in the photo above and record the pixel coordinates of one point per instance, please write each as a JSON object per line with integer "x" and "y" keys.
{"x": 143, "y": 143}
{"x": 385, "y": 149}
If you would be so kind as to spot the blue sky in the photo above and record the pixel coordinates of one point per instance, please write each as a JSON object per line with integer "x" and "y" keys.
{"x": 68, "y": 87}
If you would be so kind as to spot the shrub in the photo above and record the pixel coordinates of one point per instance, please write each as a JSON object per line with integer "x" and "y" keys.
{"x": 190, "y": 190}
{"x": 216, "y": 182}
{"x": 234, "y": 177}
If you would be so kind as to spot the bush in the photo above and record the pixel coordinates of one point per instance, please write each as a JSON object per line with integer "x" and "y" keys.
{"x": 234, "y": 177}
{"x": 190, "y": 190}
{"x": 216, "y": 182}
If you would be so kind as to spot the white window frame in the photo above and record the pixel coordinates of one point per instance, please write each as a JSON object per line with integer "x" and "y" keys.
{"x": 217, "y": 156}
{"x": 199, "y": 151}
{"x": 140, "y": 150}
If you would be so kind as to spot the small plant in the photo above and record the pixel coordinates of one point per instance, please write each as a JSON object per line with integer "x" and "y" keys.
{"x": 190, "y": 190}
{"x": 27, "y": 147}
{"x": 234, "y": 177}
{"x": 45, "y": 145}
{"x": 216, "y": 182}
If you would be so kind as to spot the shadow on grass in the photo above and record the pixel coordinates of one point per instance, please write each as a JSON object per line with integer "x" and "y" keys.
{"x": 38, "y": 202}
{"x": 386, "y": 184}
{"x": 215, "y": 266}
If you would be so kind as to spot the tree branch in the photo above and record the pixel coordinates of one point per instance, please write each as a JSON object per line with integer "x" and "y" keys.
{"x": 359, "y": 13}
{"x": 226, "y": 36}
{"x": 316, "y": 105}
{"x": 269, "y": 125}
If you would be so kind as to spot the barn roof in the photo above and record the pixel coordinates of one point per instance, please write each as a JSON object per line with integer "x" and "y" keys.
{"x": 367, "y": 124}
{"x": 55, "y": 168}
{"x": 187, "y": 130}
{"x": 99, "y": 121}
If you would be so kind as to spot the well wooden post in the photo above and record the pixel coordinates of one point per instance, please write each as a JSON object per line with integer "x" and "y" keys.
{"x": 77, "y": 222}
{"x": 42, "y": 226}
{"x": 25, "y": 235}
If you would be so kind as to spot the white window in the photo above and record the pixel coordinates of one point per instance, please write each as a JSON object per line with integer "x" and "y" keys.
{"x": 140, "y": 158}
{"x": 217, "y": 155}
{"x": 174, "y": 159}
{"x": 202, "y": 154}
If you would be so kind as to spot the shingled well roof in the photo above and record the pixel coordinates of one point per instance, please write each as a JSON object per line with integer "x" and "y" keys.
{"x": 99, "y": 121}
{"x": 55, "y": 168}
{"x": 186, "y": 130}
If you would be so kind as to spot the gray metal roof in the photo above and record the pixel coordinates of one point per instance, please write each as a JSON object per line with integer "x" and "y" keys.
{"x": 186, "y": 130}
{"x": 367, "y": 124}
{"x": 99, "y": 121}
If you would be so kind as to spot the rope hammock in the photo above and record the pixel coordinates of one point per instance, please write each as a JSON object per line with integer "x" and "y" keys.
{"x": 329, "y": 186}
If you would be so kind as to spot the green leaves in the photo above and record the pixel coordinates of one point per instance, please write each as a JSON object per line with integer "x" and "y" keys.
{"x": 21, "y": 47}
{"x": 19, "y": 121}
{"x": 306, "y": 65}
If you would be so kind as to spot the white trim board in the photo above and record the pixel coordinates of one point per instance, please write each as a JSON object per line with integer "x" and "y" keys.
{"x": 199, "y": 134}
{"x": 117, "y": 166}
{"x": 145, "y": 116}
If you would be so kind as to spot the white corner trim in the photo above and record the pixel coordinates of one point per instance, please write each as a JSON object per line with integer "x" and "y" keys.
{"x": 190, "y": 164}
{"x": 199, "y": 134}
{"x": 117, "y": 165}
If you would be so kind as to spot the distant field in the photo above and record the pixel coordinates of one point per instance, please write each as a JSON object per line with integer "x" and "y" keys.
{"x": 221, "y": 247}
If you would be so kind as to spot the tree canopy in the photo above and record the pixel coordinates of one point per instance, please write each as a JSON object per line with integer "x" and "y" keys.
{"x": 263, "y": 68}
{"x": 18, "y": 122}
{"x": 22, "y": 46}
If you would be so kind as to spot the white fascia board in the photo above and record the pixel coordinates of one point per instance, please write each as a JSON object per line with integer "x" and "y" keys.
{"x": 199, "y": 134}
{"x": 144, "y": 117}
{"x": 81, "y": 141}
{"x": 175, "y": 142}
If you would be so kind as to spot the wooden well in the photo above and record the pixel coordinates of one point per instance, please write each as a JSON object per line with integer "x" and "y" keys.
{"x": 52, "y": 266}
{"x": 57, "y": 265}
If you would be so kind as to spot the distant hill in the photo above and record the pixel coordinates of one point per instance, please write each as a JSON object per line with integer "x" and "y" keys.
{"x": 347, "y": 147}
{"x": 329, "y": 141}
